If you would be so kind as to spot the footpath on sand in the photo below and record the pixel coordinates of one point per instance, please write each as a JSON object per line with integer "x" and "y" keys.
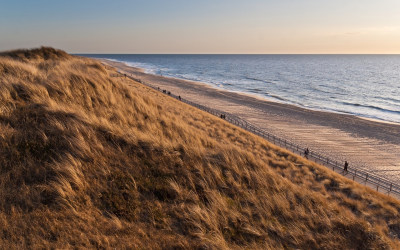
{"x": 372, "y": 148}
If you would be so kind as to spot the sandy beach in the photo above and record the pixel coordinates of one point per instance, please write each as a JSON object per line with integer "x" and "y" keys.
{"x": 366, "y": 144}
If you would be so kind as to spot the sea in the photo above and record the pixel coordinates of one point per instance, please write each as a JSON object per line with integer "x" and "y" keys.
{"x": 362, "y": 85}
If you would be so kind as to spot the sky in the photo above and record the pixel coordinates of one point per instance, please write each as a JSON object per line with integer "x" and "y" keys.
{"x": 203, "y": 26}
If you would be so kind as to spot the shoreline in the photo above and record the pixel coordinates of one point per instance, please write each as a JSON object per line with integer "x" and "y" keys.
{"x": 368, "y": 144}
{"x": 255, "y": 95}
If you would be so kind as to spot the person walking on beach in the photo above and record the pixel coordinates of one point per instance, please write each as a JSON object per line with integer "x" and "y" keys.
{"x": 346, "y": 165}
{"x": 306, "y": 153}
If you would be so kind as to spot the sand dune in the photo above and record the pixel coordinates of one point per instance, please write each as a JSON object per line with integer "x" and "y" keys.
{"x": 89, "y": 159}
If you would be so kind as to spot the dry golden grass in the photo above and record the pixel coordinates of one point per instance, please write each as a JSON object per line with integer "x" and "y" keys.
{"x": 90, "y": 160}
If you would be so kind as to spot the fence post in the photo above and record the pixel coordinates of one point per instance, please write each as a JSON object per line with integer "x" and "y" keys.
{"x": 366, "y": 178}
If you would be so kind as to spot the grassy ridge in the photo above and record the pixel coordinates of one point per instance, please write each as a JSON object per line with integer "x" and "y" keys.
{"x": 90, "y": 160}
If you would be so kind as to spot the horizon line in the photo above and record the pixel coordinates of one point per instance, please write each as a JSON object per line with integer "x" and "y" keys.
{"x": 108, "y": 53}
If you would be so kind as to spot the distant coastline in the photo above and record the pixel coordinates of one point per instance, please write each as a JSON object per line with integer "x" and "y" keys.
{"x": 339, "y": 90}
{"x": 258, "y": 96}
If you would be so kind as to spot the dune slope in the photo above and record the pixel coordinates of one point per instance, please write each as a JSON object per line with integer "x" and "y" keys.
{"x": 92, "y": 159}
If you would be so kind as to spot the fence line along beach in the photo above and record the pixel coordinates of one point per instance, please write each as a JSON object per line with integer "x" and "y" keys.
{"x": 369, "y": 145}
{"x": 200, "y": 124}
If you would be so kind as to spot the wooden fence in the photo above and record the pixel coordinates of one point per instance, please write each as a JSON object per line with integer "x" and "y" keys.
{"x": 356, "y": 174}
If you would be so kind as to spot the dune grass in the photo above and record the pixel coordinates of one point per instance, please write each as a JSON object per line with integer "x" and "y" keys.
{"x": 91, "y": 160}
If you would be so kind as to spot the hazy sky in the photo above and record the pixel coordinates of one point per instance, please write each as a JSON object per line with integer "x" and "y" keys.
{"x": 202, "y": 26}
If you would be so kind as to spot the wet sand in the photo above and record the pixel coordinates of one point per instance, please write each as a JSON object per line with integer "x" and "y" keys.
{"x": 367, "y": 144}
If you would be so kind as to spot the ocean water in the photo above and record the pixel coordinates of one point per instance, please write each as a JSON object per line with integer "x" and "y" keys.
{"x": 362, "y": 85}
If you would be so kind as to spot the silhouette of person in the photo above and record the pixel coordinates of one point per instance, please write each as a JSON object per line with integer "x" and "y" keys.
{"x": 346, "y": 165}
{"x": 306, "y": 153}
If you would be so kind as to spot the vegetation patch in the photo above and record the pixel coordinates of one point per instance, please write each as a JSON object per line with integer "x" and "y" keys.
{"x": 89, "y": 159}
